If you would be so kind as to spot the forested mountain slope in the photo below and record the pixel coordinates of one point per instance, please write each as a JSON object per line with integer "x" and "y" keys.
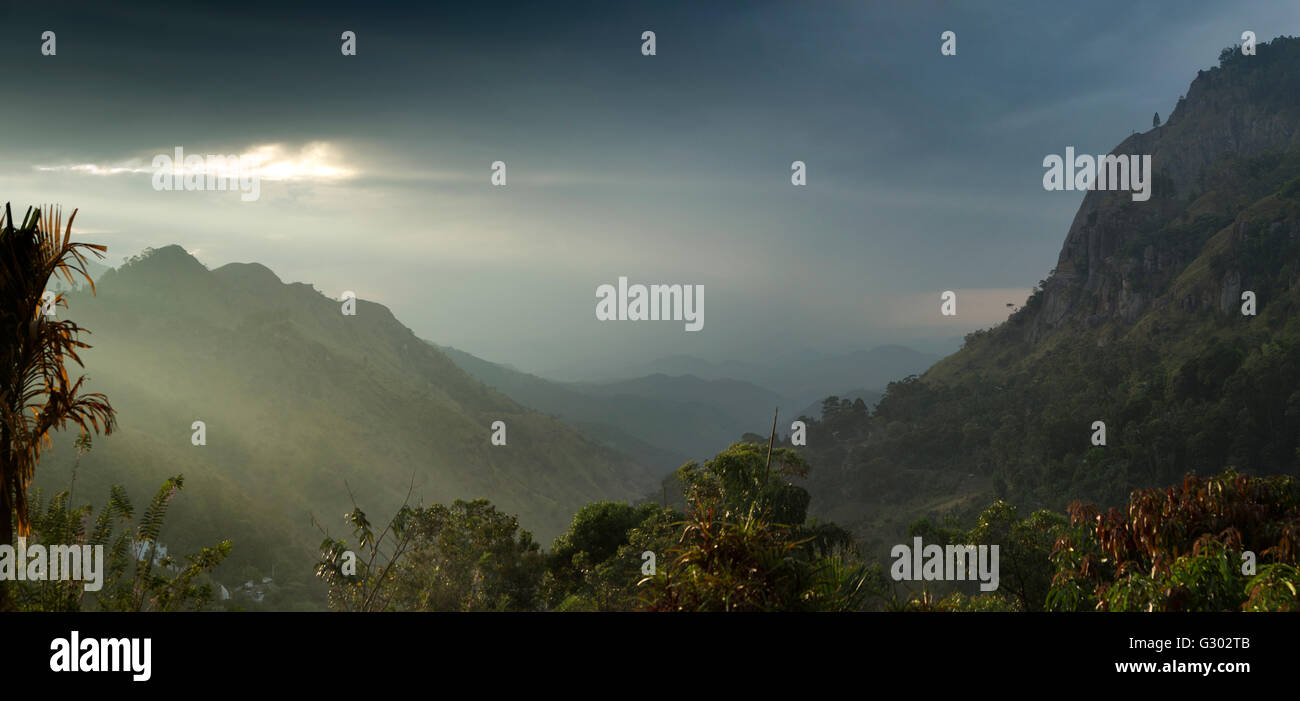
{"x": 300, "y": 402}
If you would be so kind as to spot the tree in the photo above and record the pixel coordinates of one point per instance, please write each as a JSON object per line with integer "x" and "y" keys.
{"x": 1155, "y": 121}
{"x": 466, "y": 557}
{"x": 36, "y": 393}
{"x": 594, "y": 563}
{"x": 469, "y": 557}
{"x": 744, "y": 545}
{"x": 1024, "y": 564}
{"x": 1025, "y": 547}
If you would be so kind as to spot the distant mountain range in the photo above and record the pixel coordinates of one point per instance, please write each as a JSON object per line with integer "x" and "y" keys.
{"x": 660, "y": 420}
{"x": 685, "y": 407}
{"x": 803, "y": 377}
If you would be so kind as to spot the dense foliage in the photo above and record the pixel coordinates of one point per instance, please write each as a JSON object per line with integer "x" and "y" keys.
{"x": 744, "y": 543}
{"x": 138, "y": 574}
{"x": 1221, "y": 543}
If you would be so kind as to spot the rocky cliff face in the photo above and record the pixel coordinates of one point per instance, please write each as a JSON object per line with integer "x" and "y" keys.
{"x": 1121, "y": 258}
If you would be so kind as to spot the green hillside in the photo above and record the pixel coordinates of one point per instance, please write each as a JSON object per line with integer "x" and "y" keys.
{"x": 300, "y": 403}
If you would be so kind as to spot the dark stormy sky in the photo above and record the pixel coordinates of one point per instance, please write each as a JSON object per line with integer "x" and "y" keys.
{"x": 924, "y": 171}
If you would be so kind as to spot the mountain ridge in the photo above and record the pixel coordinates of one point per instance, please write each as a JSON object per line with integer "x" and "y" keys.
{"x": 302, "y": 406}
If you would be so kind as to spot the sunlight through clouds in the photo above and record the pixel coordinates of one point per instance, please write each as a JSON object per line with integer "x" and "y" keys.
{"x": 317, "y": 160}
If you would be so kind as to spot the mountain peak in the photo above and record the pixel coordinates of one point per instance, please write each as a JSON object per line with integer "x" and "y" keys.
{"x": 167, "y": 262}
{"x": 248, "y": 274}
{"x": 169, "y": 254}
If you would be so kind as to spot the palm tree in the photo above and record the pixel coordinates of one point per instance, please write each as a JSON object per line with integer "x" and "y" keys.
{"x": 36, "y": 394}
